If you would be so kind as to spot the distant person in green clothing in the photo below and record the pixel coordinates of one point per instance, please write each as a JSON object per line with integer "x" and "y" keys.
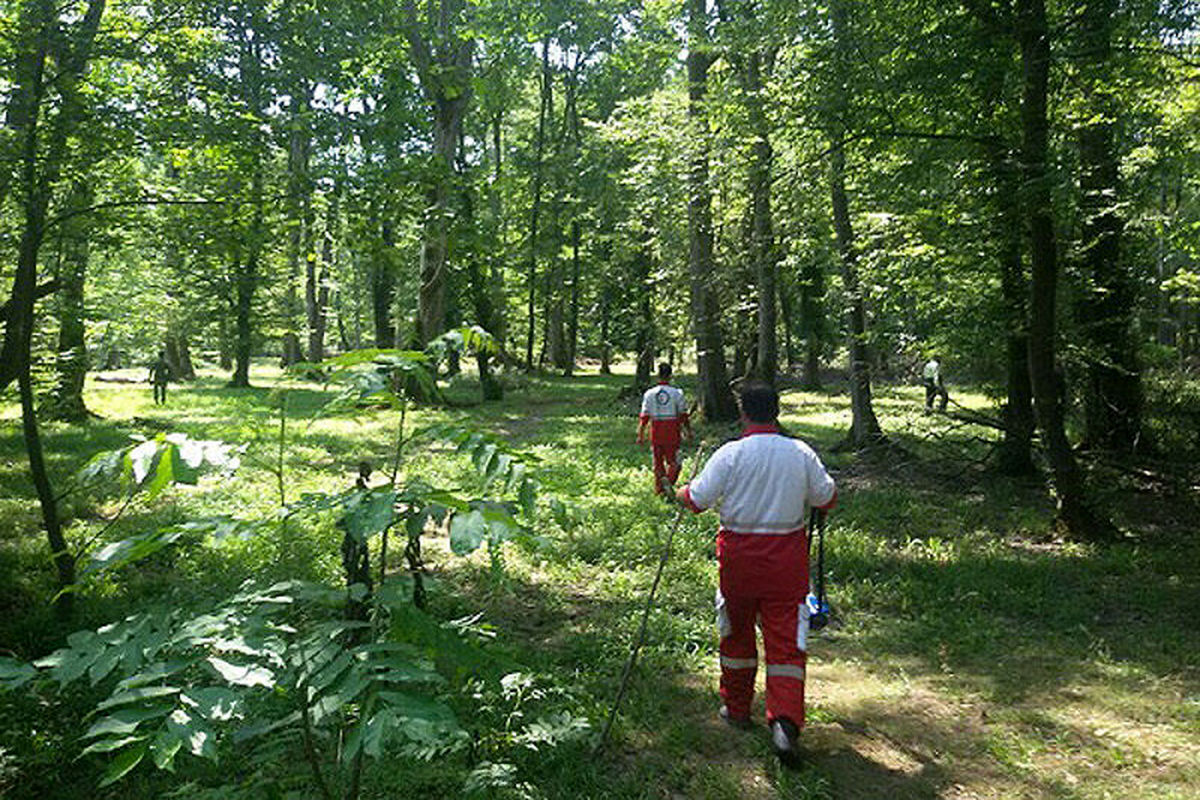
{"x": 160, "y": 375}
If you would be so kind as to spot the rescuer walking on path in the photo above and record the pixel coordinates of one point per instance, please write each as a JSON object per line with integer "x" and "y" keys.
{"x": 665, "y": 412}
{"x": 764, "y": 484}
{"x": 160, "y": 375}
{"x": 935, "y": 386}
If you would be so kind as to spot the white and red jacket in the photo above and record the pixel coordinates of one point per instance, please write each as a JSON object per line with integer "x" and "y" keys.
{"x": 763, "y": 486}
{"x": 664, "y": 408}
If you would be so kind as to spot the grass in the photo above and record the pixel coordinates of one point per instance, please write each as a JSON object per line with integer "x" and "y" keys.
{"x": 972, "y": 655}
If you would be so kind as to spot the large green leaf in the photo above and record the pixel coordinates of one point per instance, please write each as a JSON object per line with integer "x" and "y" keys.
{"x": 125, "y": 721}
{"x": 14, "y": 674}
{"x": 369, "y": 512}
{"x": 122, "y": 764}
{"x": 467, "y": 531}
{"x": 242, "y": 675}
{"x": 127, "y": 696}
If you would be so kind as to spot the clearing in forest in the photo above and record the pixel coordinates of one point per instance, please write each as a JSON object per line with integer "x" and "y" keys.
{"x": 972, "y": 655}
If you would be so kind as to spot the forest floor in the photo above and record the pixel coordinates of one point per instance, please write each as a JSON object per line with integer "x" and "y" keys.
{"x": 973, "y": 654}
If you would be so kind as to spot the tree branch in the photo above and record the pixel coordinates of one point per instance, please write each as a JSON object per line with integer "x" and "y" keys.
{"x": 47, "y": 288}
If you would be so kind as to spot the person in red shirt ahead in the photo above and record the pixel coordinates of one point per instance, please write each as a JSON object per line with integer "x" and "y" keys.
{"x": 665, "y": 413}
{"x": 763, "y": 484}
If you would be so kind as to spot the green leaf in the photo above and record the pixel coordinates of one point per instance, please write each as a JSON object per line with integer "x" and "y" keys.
{"x": 192, "y": 732}
{"x": 108, "y": 745}
{"x": 140, "y": 459}
{"x": 368, "y": 513}
{"x": 153, "y": 673}
{"x": 124, "y": 722}
{"x": 134, "y": 695}
{"x": 528, "y": 497}
{"x": 482, "y": 458}
{"x": 164, "y": 473}
{"x": 242, "y": 675}
{"x": 123, "y": 763}
{"x": 467, "y": 532}
{"x": 165, "y": 746}
{"x": 14, "y": 674}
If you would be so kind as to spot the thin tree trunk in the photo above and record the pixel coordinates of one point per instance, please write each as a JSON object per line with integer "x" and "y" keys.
{"x": 715, "y": 398}
{"x": 864, "y": 427}
{"x": 71, "y": 365}
{"x": 316, "y": 289}
{"x": 536, "y": 203}
{"x": 1075, "y": 513}
{"x": 1113, "y": 400}
{"x": 1015, "y": 454}
{"x": 383, "y": 288}
{"x": 812, "y": 321}
{"x": 245, "y": 277}
{"x": 787, "y": 309}
{"x": 299, "y": 207}
{"x": 766, "y": 360}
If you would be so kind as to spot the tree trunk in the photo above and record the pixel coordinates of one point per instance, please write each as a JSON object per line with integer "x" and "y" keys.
{"x": 573, "y": 314}
{"x": 498, "y": 260}
{"x": 1075, "y": 513}
{"x": 316, "y": 288}
{"x": 299, "y": 208}
{"x": 766, "y": 360}
{"x": 245, "y": 276}
{"x": 383, "y": 289}
{"x": 181, "y": 367}
{"x": 66, "y": 400}
{"x": 787, "y": 310}
{"x": 1113, "y": 400}
{"x": 442, "y": 53}
{"x": 644, "y": 338}
{"x": 715, "y": 399}
{"x": 864, "y": 427}
{"x": 1015, "y": 454}
{"x": 812, "y": 321}
{"x": 535, "y": 208}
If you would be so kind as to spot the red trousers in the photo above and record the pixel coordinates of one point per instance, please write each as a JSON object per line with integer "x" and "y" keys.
{"x": 763, "y": 578}
{"x": 666, "y": 465}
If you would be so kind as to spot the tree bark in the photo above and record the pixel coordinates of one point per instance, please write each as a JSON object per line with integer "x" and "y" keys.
{"x": 1075, "y": 513}
{"x": 535, "y": 206}
{"x": 383, "y": 288}
{"x": 442, "y": 56}
{"x": 1113, "y": 399}
{"x": 714, "y": 397}
{"x": 299, "y": 207}
{"x": 812, "y": 320}
{"x": 1016, "y": 448}
{"x": 316, "y": 287}
{"x": 245, "y": 277}
{"x": 71, "y": 366}
{"x": 864, "y": 427}
{"x": 766, "y": 360}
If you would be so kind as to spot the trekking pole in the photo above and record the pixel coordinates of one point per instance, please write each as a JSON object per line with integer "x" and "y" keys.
{"x": 641, "y": 636}
{"x": 819, "y": 610}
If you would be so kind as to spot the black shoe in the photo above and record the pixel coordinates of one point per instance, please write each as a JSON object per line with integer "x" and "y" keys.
{"x": 742, "y": 723}
{"x": 783, "y": 741}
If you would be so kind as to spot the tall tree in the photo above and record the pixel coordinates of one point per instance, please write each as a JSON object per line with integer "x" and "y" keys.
{"x": 441, "y": 47}
{"x": 1076, "y": 514}
{"x": 864, "y": 426}
{"x": 1113, "y": 396}
{"x": 715, "y": 398}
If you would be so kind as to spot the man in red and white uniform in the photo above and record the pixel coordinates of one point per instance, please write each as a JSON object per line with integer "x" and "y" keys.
{"x": 665, "y": 413}
{"x": 763, "y": 484}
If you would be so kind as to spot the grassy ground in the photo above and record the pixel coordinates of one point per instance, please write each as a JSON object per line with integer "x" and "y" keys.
{"x": 972, "y": 654}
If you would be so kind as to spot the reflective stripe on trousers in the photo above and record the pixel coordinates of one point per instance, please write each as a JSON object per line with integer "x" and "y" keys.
{"x": 785, "y": 625}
